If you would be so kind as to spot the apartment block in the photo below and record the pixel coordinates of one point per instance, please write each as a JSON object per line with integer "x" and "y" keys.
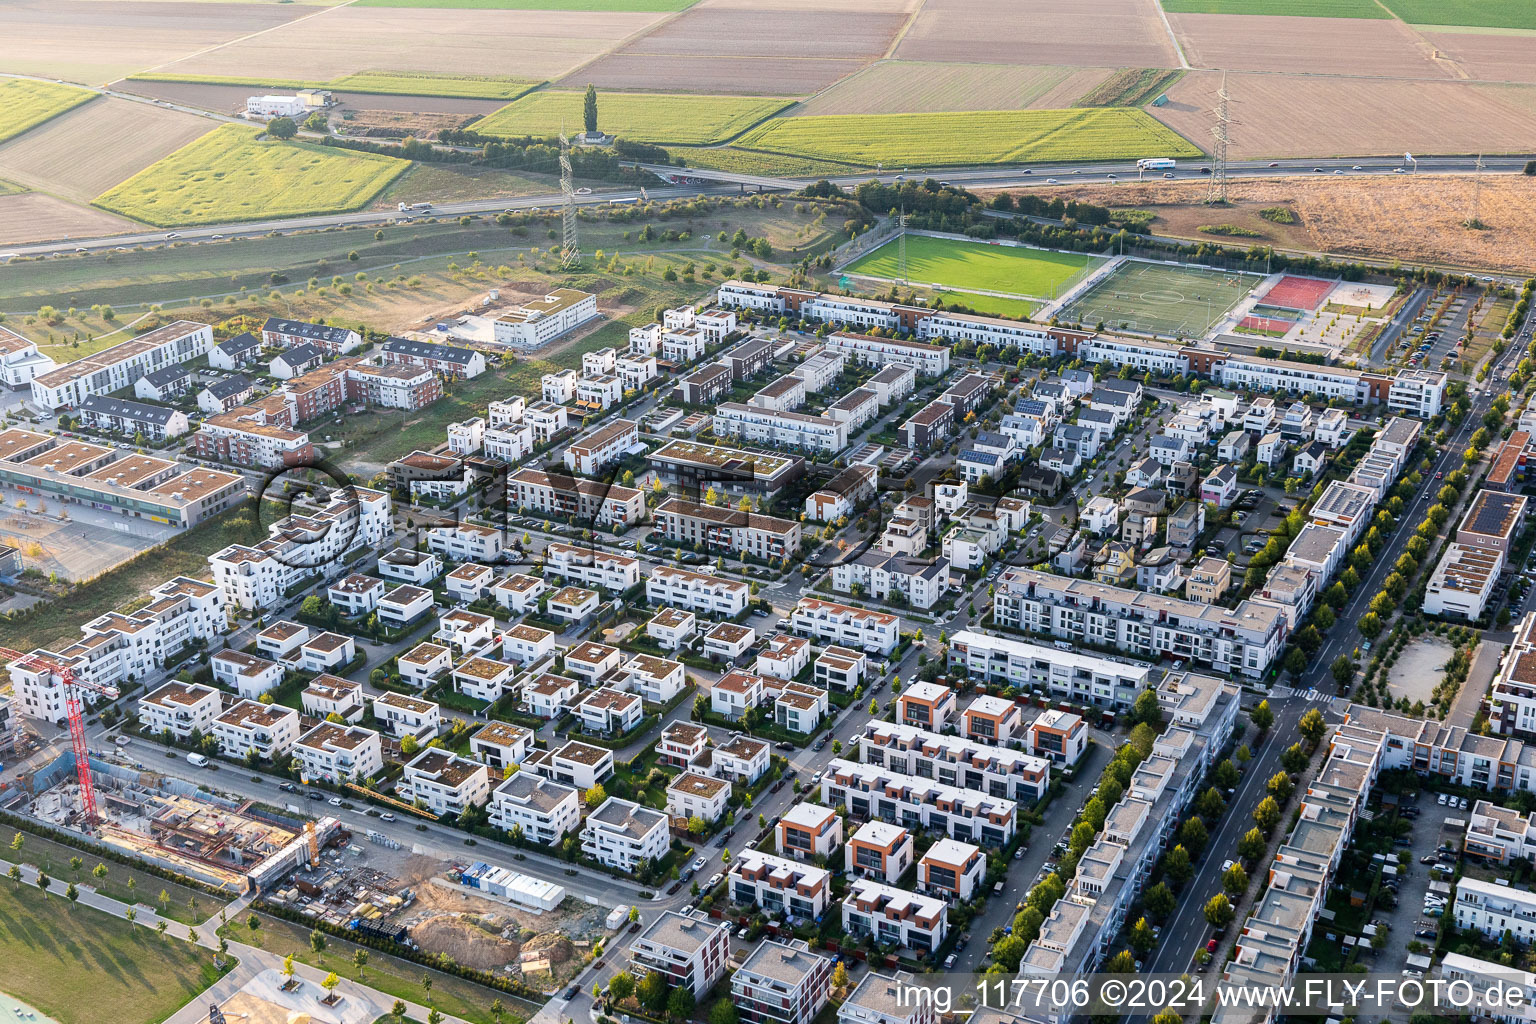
{"x": 894, "y": 916}
{"x": 791, "y": 430}
{"x": 339, "y": 753}
{"x": 446, "y": 783}
{"x": 926, "y": 705}
{"x": 407, "y": 716}
{"x": 603, "y": 446}
{"x": 951, "y": 870}
{"x": 781, "y": 983}
{"x": 544, "y": 811}
{"x": 625, "y": 836}
{"x": 270, "y": 730}
{"x": 808, "y": 830}
{"x": 878, "y": 850}
{"x": 698, "y": 592}
{"x": 690, "y": 952}
{"x": 875, "y": 793}
{"x": 989, "y": 719}
{"x": 956, "y": 761}
{"x": 177, "y": 707}
{"x": 693, "y": 795}
{"x": 874, "y": 632}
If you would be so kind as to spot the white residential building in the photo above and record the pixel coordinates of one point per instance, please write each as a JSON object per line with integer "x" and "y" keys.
{"x": 339, "y": 753}
{"x": 895, "y": 916}
{"x": 545, "y": 811}
{"x": 179, "y": 708}
{"x": 779, "y": 885}
{"x": 708, "y": 595}
{"x": 875, "y": 632}
{"x": 693, "y": 795}
{"x": 1064, "y": 674}
{"x": 624, "y": 835}
{"x": 446, "y": 783}
{"x": 690, "y": 952}
{"x": 270, "y": 730}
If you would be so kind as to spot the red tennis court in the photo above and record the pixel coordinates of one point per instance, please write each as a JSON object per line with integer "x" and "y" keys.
{"x": 1298, "y": 293}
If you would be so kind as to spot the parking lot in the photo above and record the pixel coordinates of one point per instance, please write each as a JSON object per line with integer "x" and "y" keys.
{"x": 1416, "y": 917}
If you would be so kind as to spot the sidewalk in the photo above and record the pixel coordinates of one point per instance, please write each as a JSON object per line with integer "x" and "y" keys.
{"x": 257, "y": 967}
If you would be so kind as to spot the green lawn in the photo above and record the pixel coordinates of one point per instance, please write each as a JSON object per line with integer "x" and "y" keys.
{"x": 975, "y": 137}
{"x": 642, "y": 117}
{"x": 81, "y": 966}
{"x": 1298, "y": 8}
{"x": 386, "y": 83}
{"x": 539, "y": 5}
{"x": 227, "y": 175}
{"x": 1470, "y": 13}
{"x": 1015, "y": 270}
{"x": 182, "y": 903}
{"x": 25, "y": 104}
{"x": 990, "y": 305}
{"x": 399, "y": 978}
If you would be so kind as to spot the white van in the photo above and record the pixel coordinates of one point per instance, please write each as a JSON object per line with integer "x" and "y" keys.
{"x": 197, "y": 759}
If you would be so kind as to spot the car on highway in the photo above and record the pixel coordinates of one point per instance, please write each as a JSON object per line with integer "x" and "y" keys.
{"x": 1167, "y": 174}
{"x": 1051, "y": 181}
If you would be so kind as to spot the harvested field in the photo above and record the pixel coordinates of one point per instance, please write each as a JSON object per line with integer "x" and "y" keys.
{"x": 36, "y": 217}
{"x": 1312, "y": 115}
{"x": 447, "y": 183}
{"x": 1319, "y": 46}
{"x": 25, "y": 104}
{"x": 382, "y": 83}
{"x": 1125, "y": 33}
{"x": 228, "y": 175}
{"x": 81, "y": 154}
{"x": 99, "y": 41}
{"x": 642, "y": 117}
{"x": 1491, "y": 58}
{"x": 348, "y": 40}
{"x": 909, "y": 86}
{"x": 536, "y": 5}
{"x": 1292, "y": 8}
{"x": 1473, "y": 13}
{"x": 975, "y": 137}
{"x": 735, "y": 49}
{"x": 1416, "y": 218}
{"x": 230, "y": 99}
{"x": 1130, "y": 87}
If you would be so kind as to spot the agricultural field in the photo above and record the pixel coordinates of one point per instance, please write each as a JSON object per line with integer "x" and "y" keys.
{"x": 1155, "y": 298}
{"x": 1022, "y": 136}
{"x": 977, "y": 266}
{"x": 69, "y": 961}
{"x": 1486, "y": 56}
{"x": 746, "y": 161}
{"x": 907, "y": 86}
{"x": 1329, "y": 116}
{"x": 1318, "y": 46}
{"x": 1129, "y": 87}
{"x": 346, "y": 40}
{"x": 1125, "y": 33}
{"x": 383, "y": 83}
{"x": 1413, "y": 218}
{"x": 537, "y": 5}
{"x": 39, "y": 217}
{"x": 1293, "y": 8}
{"x": 447, "y": 183}
{"x": 227, "y": 175}
{"x": 642, "y": 117}
{"x": 1470, "y": 13}
{"x": 732, "y": 48}
{"x": 86, "y": 151}
{"x": 25, "y": 104}
{"x": 99, "y": 41}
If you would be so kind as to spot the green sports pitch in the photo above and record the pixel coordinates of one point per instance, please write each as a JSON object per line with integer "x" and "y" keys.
{"x": 1172, "y": 301}
{"x": 1008, "y": 270}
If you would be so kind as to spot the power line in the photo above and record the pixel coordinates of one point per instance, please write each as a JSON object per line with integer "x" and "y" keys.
{"x": 570, "y": 249}
{"x": 1221, "y": 133}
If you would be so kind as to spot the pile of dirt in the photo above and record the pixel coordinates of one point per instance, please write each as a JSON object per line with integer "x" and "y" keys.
{"x": 463, "y": 941}
{"x": 555, "y": 947}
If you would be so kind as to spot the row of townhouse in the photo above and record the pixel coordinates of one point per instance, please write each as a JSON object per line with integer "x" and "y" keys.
{"x": 1415, "y": 392}
{"x": 1243, "y": 640}
{"x": 592, "y": 567}
{"x": 872, "y": 792}
{"x": 782, "y": 429}
{"x": 605, "y": 445}
{"x": 730, "y": 530}
{"x": 846, "y": 626}
{"x": 956, "y": 761}
{"x": 1112, "y": 873}
{"x": 118, "y": 647}
{"x": 309, "y": 541}
{"x": 584, "y": 500}
{"x": 120, "y": 366}
{"x": 920, "y": 582}
{"x": 1064, "y": 674}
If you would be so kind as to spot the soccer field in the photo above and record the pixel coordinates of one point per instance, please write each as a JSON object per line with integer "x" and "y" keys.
{"x": 977, "y": 266}
{"x": 1154, "y": 298}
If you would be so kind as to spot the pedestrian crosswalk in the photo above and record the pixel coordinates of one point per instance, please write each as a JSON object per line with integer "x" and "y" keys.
{"x": 1311, "y": 695}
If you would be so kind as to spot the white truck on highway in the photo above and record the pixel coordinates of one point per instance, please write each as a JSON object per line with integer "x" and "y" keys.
{"x": 414, "y": 207}
{"x": 1160, "y": 163}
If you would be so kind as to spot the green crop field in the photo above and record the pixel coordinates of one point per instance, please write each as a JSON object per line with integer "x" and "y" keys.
{"x": 227, "y": 175}
{"x": 642, "y": 117}
{"x": 73, "y": 962}
{"x": 25, "y": 103}
{"x": 948, "y": 262}
{"x": 382, "y": 83}
{"x": 1469, "y": 13}
{"x": 538, "y": 5}
{"x": 977, "y": 137}
{"x": 1297, "y": 8}
{"x": 751, "y": 161}
{"x": 1160, "y": 299}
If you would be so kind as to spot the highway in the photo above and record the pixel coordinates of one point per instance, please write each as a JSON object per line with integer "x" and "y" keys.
{"x": 707, "y": 182}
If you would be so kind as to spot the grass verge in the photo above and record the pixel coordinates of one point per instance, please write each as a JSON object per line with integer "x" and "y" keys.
{"x": 74, "y": 962}
{"x": 122, "y": 883}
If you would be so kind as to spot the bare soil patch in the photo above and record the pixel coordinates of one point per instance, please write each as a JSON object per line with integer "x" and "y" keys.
{"x": 517, "y": 44}
{"x": 98, "y": 41}
{"x": 1313, "y": 115}
{"x": 88, "y": 150}
{"x": 229, "y": 99}
{"x": 397, "y": 124}
{"x": 1492, "y": 58}
{"x": 714, "y": 75}
{"x": 899, "y": 86}
{"x": 1090, "y": 33}
{"x": 1324, "y": 46}
{"x": 1419, "y": 669}
{"x": 1414, "y": 217}
{"x": 37, "y": 217}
